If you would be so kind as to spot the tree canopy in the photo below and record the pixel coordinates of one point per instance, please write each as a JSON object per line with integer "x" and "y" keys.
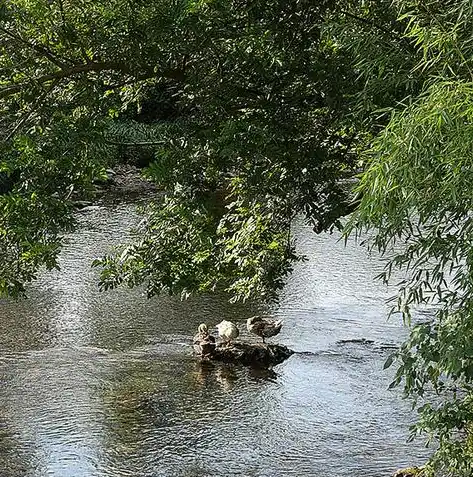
{"x": 245, "y": 104}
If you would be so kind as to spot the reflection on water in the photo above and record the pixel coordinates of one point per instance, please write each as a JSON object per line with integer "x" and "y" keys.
{"x": 105, "y": 384}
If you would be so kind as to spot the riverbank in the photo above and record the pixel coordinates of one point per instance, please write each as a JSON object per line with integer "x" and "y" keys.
{"x": 126, "y": 180}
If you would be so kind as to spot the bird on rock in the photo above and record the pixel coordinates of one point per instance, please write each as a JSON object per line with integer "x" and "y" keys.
{"x": 204, "y": 342}
{"x": 263, "y": 326}
{"x": 228, "y": 331}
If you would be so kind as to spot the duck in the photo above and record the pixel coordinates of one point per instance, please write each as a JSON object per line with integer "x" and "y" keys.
{"x": 263, "y": 326}
{"x": 228, "y": 331}
{"x": 204, "y": 342}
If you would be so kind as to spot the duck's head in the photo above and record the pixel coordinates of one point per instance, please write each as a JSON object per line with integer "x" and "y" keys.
{"x": 203, "y": 329}
{"x": 253, "y": 320}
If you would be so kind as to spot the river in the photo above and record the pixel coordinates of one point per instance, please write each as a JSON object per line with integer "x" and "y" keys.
{"x": 105, "y": 384}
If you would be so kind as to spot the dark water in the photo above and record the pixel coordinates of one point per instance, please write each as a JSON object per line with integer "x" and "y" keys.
{"x": 105, "y": 384}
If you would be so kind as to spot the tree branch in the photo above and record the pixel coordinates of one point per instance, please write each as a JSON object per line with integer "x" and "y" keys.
{"x": 39, "y": 49}
{"x": 86, "y": 68}
{"x": 133, "y": 144}
{"x": 35, "y": 105}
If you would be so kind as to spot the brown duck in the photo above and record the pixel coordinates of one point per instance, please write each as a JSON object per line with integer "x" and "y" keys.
{"x": 264, "y": 327}
{"x": 204, "y": 342}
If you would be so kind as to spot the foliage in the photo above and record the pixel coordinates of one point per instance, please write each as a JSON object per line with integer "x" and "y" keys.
{"x": 184, "y": 250}
{"x": 255, "y": 144}
{"x": 249, "y": 100}
{"x": 43, "y": 169}
{"x": 382, "y": 58}
{"x": 416, "y": 197}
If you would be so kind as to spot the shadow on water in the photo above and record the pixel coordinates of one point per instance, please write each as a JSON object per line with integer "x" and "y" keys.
{"x": 106, "y": 385}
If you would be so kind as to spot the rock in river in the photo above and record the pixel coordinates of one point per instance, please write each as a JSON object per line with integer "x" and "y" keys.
{"x": 260, "y": 354}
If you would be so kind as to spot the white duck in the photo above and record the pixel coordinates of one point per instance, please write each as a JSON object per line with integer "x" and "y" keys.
{"x": 264, "y": 327}
{"x": 228, "y": 331}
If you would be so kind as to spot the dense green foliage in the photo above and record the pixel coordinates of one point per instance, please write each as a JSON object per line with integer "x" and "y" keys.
{"x": 248, "y": 113}
{"x": 245, "y": 105}
{"x": 416, "y": 196}
{"x": 255, "y": 143}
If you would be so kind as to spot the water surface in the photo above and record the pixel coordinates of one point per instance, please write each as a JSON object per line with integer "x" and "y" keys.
{"x": 105, "y": 384}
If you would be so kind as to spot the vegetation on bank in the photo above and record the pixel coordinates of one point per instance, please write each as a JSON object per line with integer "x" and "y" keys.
{"x": 247, "y": 113}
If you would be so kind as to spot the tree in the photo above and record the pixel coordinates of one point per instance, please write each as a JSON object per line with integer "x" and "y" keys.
{"x": 416, "y": 198}
{"x": 272, "y": 115}
{"x": 256, "y": 136}
{"x": 257, "y": 144}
